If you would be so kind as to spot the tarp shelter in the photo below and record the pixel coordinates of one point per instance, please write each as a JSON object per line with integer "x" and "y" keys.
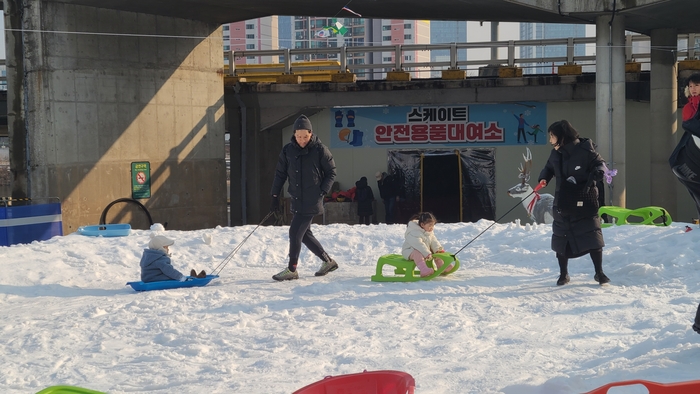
{"x": 455, "y": 185}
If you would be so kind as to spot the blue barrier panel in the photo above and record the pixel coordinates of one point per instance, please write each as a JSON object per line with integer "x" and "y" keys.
{"x": 27, "y": 223}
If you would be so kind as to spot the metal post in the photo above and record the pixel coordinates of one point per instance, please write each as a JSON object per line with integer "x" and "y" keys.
{"x": 398, "y": 57}
{"x": 287, "y": 61}
{"x": 511, "y": 53}
{"x": 453, "y": 56}
{"x": 628, "y": 48}
{"x": 570, "y": 50}
{"x": 343, "y": 58}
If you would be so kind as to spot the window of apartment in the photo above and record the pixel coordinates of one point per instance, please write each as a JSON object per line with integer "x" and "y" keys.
{"x": 386, "y": 59}
{"x": 406, "y": 25}
{"x": 250, "y": 57}
{"x": 298, "y": 25}
{"x": 408, "y": 58}
{"x": 386, "y": 27}
{"x": 250, "y": 36}
{"x": 227, "y": 47}
{"x": 226, "y": 27}
{"x": 249, "y": 46}
{"x": 249, "y": 26}
{"x": 226, "y": 37}
{"x": 406, "y": 36}
{"x": 300, "y": 35}
{"x": 386, "y": 38}
{"x": 358, "y": 31}
{"x": 358, "y": 42}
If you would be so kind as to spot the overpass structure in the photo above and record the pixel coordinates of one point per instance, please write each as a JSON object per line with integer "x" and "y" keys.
{"x": 95, "y": 86}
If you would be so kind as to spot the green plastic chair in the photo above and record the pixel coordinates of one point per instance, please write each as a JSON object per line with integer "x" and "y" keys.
{"x": 405, "y": 270}
{"x": 68, "y": 390}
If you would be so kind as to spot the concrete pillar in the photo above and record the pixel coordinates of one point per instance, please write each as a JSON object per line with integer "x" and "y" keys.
{"x": 133, "y": 88}
{"x": 663, "y": 106}
{"x": 15, "y": 116}
{"x": 610, "y": 101}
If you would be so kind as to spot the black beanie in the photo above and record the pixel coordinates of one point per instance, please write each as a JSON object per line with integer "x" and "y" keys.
{"x": 302, "y": 123}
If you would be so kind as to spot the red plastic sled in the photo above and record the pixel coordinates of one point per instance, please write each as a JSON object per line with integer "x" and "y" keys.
{"x": 655, "y": 388}
{"x": 375, "y": 382}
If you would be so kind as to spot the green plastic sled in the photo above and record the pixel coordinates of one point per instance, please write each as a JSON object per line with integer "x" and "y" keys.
{"x": 405, "y": 270}
{"x": 653, "y": 216}
{"x": 67, "y": 390}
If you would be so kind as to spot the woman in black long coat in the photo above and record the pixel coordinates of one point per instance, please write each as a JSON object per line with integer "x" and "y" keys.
{"x": 576, "y": 230}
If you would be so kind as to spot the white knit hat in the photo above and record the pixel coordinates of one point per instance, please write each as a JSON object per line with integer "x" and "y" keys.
{"x": 159, "y": 242}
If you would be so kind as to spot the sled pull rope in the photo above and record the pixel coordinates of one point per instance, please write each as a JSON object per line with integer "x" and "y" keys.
{"x": 228, "y": 258}
{"x": 538, "y": 187}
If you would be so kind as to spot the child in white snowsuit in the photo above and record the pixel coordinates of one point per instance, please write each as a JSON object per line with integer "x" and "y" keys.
{"x": 156, "y": 264}
{"x": 420, "y": 243}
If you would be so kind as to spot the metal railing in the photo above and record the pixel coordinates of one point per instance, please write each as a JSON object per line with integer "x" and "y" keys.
{"x": 637, "y": 49}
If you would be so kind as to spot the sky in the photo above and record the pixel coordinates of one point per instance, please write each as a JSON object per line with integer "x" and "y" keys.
{"x": 497, "y": 325}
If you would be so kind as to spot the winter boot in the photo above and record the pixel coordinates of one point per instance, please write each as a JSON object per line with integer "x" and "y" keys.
{"x": 327, "y": 266}
{"x": 439, "y": 263}
{"x": 286, "y": 275}
{"x": 424, "y": 269}
{"x": 202, "y": 274}
{"x": 563, "y": 279}
{"x": 601, "y": 278}
{"x": 193, "y": 273}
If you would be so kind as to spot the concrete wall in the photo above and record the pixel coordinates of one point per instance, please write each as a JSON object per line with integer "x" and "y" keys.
{"x": 139, "y": 88}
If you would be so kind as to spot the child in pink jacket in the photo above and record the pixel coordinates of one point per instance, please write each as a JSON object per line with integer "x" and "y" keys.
{"x": 420, "y": 243}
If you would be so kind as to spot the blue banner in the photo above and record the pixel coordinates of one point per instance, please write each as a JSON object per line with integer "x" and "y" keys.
{"x": 428, "y": 126}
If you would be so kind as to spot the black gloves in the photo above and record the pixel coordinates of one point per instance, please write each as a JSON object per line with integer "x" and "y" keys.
{"x": 275, "y": 205}
{"x": 598, "y": 175}
{"x": 595, "y": 176}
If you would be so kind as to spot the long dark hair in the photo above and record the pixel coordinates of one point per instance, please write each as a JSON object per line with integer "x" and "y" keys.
{"x": 423, "y": 217}
{"x": 694, "y": 78}
{"x": 563, "y": 131}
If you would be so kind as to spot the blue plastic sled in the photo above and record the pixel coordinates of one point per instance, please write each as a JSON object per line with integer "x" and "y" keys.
{"x": 105, "y": 230}
{"x": 171, "y": 284}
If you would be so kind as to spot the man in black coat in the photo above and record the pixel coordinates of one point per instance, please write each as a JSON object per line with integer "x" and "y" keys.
{"x": 309, "y": 167}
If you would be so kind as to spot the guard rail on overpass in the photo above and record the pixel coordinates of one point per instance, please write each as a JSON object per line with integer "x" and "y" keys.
{"x": 637, "y": 50}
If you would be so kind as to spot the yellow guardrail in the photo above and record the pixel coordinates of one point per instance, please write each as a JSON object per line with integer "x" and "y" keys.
{"x": 314, "y": 71}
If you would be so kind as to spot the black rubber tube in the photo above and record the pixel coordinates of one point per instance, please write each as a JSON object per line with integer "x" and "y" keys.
{"x": 127, "y": 200}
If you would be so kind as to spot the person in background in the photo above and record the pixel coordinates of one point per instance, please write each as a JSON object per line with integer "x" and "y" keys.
{"x": 364, "y": 197}
{"x": 574, "y": 161}
{"x": 521, "y": 127}
{"x": 420, "y": 243}
{"x": 156, "y": 264}
{"x": 389, "y": 193}
{"x": 309, "y": 167}
{"x": 685, "y": 159}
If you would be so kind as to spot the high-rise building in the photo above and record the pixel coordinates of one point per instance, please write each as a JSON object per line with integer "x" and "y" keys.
{"x": 400, "y": 32}
{"x": 254, "y": 34}
{"x": 445, "y": 32}
{"x": 284, "y": 30}
{"x": 540, "y": 31}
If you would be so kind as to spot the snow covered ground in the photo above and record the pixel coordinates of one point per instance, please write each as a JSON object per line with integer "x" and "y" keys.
{"x": 498, "y": 325}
